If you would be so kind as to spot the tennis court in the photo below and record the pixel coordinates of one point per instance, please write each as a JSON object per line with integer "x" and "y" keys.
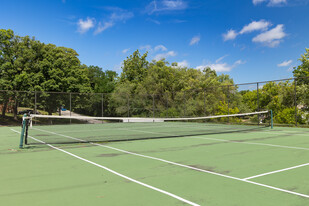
{"x": 68, "y": 165}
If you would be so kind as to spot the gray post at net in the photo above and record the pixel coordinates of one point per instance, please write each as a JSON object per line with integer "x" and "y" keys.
{"x": 295, "y": 101}
{"x": 257, "y": 100}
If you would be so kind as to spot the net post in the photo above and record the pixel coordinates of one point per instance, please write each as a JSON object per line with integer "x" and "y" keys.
{"x": 22, "y": 134}
{"x": 271, "y": 119}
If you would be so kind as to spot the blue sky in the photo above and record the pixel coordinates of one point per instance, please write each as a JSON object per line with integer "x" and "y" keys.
{"x": 251, "y": 40}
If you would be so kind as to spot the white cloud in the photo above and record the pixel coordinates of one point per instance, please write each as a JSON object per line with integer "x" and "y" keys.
{"x": 118, "y": 15}
{"x": 271, "y": 38}
{"x": 125, "y": 50}
{"x": 85, "y": 25}
{"x": 160, "y": 48}
{"x": 183, "y": 64}
{"x": 285, "y": 63}
{"x": 270, "y": 2}
{"x": 230, "y": 35}
{"x": 255, "y": 26}
{"x": 221, "y": 67}
{"x": 255, "y": 2}
{"x": 195, "y": 40}
{"x": 165, "y": 5}
{"x": 221, "y": 58}
{"x": 103, "y": 27}
{"x": 121, "y": 15}
{"x": 145, "y": 47}
{"x": 164, "y": 55}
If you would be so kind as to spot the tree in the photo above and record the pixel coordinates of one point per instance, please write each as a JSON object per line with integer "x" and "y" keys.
{"x": 302, "y": 81}
{"x": 29, "y": 65}
{"x": 134, "y": 67}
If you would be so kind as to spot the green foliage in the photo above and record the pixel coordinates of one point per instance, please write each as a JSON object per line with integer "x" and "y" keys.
{"x": 144, "y": 88}
{"x": 302, "y": 71}
{"x": 134, "y": 67}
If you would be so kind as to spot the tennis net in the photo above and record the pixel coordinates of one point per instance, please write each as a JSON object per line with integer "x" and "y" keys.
{"x": 76, "y": 129}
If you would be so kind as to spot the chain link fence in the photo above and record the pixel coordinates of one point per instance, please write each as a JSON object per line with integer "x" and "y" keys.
{"x": 287, "y": 98}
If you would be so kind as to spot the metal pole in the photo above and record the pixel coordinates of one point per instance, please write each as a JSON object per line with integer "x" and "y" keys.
{"x": 184, "y": 103}
{"x": 295, "y": 101}
{"x": 258, "y": 102}
{"x": 70, "y": 107}
{"x": 166, "y": 105}
{"x": 35, "y": 108}
{"x": 35, "y": 102}
{"x": 228, "y": 102}
{"x": 128, "y": 106}
{"x": 153, "y": 106}
{"x": 102, "y": 106}
{"x": 204, "y": 102}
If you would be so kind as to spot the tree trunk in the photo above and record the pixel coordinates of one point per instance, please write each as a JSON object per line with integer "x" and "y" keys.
{"x": 5, "y": 105}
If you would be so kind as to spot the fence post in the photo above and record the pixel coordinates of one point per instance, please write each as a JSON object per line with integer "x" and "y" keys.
{"x": 35, "y": 107}
{"x": 153, "y": 106}
{"x": 204, "y": 102}
{"x": 35, "y": 103}
{"x": 258, "y": 101}
{"x": 102, "y": 104}
{"x": 184, "y": 103}
{"x": 166, "y": 105}
{"x": 70, "y": 107}
{"x": 128, "y": 106}
{"x": 295, "y": 101}
{"x": 228, "y": 102}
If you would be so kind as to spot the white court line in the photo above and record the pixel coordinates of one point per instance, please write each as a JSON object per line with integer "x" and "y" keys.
{"x": 285, "y": 133}
{"x": 116, "y": 173}
{"x": 185, "y": 166}
{"x": 232, "y": 141}
{"x": 276, "y": 171}
{"x": 253, "y": 143}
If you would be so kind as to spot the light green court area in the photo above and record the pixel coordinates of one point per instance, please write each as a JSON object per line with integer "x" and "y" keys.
{"x": 207, "y": 168}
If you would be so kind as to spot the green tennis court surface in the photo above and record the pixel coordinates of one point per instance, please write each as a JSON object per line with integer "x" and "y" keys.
{"x": 254, "y": 166}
